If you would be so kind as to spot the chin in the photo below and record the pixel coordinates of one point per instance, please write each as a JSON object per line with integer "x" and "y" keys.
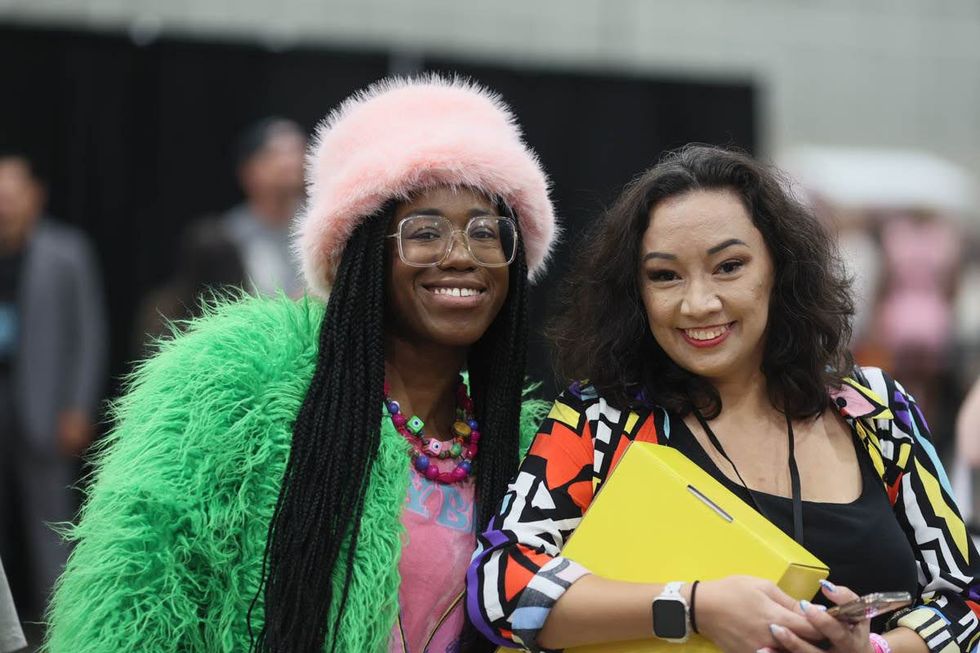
{"x": 456, "y": 337}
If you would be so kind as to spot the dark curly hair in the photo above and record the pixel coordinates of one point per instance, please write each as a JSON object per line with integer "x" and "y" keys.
{"x": 602, "y": 333}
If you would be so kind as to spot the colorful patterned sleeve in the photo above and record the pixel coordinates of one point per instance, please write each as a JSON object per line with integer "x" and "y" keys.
{"x": 517, "y": 572}
{"x": 946, "y": 614}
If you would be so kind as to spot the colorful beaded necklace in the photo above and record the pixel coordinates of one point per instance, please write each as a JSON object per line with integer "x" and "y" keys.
{"x": 463, "y": 447}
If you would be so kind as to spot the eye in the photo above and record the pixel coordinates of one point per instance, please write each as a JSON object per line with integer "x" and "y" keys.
{"x": 423, "y": 233}
{"x": 662, "y": 275}
{"x": 731, "y": 266}
{"x": 483, "y": 233}
{"x": 482, "y": 229}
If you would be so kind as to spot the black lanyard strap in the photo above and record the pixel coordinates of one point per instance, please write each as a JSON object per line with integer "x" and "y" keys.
{"x": 794, "y": 474}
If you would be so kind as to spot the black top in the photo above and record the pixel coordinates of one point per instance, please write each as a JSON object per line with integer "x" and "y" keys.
{"x": 861, "y": 541}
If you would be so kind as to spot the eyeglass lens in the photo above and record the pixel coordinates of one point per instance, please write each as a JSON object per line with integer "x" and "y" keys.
{"x": 425, "y": 240}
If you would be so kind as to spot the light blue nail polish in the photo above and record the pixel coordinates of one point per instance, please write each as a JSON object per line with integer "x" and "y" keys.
{"x": 775, "y": 630}
{"x": 804, "y": 604}
{"x": 827, "y": 585}
{"x": 822, "y": 608}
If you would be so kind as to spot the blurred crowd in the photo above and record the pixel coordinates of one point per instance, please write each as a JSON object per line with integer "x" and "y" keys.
{"x": 916, "y": 272}
{"x": 54, "y": 340}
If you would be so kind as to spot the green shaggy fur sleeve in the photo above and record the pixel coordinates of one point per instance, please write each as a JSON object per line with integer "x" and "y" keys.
{"x": 169, "y": 546}
{"x": 533, "y": 412}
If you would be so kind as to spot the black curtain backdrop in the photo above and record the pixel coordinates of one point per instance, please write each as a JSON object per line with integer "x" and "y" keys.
{"x": 137, "y": 141}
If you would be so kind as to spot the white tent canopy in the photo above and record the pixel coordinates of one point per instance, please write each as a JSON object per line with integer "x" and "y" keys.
{"x": 874, "y": 178}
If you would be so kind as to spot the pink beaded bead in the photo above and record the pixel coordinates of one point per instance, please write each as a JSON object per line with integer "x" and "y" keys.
{"x": 474, "y": 436}
{"x": 432, "y": 447}
{"x": 459, "y": 474}
{"x": 399, "y": 420}
{"x": 432, "y": 472}
{"x": 471, "y": 452}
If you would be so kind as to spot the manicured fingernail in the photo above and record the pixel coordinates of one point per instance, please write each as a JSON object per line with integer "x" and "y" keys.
{"x": 827, "y": 585}
{"x": 776, "y": 630}
{"x": 764, "y": 649}
{"x": 822, "y": 608}
{"x": 804, "y": 604}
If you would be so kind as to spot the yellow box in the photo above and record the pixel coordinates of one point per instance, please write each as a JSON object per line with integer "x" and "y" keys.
{"x": 659, "y": 517}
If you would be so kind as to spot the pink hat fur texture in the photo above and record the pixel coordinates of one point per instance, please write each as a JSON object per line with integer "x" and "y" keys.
{"x": 402, "y": 135}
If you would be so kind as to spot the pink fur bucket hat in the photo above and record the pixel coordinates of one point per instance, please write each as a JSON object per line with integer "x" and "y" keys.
{"x": 401, "y": 135}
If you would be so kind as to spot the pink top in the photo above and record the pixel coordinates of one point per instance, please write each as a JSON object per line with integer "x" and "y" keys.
{"x": 440, "y": 539}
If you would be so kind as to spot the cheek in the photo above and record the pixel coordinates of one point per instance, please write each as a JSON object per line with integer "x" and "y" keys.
{"x": 658, "y": 309}
{"x": 399, "y": 287}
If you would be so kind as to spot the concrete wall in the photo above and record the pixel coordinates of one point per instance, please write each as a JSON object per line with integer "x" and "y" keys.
{"x": 902, "y": 73}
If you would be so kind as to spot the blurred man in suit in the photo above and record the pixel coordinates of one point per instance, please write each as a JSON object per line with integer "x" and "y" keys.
{"x": 52, "y": 363}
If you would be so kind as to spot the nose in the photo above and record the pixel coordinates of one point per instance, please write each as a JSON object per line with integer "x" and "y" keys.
{"x": 458, "y": 257}
{"x": 700, "y": 299}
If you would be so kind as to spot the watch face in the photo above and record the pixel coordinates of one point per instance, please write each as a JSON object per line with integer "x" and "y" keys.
{"x": 669, "y": 619}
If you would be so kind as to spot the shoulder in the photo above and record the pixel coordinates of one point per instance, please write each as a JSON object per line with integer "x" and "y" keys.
{"x": 238, "y": 353}
{"x": 875, "y": 402}
{"x": 226, "y": 391}
{"x": 873, "y": 392}
{"x": 62, "y": 240}
{"x": 244, "y": 334}
{"x": 582, "y": 407}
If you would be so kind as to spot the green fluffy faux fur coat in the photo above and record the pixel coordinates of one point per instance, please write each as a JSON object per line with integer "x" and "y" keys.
{"x": 169, "y": 547}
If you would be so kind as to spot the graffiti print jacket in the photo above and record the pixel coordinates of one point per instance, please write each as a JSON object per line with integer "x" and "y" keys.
{"x": 518, "y": 572}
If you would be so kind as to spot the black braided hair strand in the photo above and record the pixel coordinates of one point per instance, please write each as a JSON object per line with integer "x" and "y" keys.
{"x": 320, "y": 501}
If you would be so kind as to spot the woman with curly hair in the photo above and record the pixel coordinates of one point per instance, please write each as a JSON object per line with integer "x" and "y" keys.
{"x": 300, "y": 476}
{"x": 710, "y": 314}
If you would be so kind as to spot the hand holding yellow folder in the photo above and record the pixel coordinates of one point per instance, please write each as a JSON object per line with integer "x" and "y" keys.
{"x": 670, "y": 520}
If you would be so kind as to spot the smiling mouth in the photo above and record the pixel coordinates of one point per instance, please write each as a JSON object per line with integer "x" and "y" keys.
{"x": 455, "y": 291}
{"x": 707, "y": 333}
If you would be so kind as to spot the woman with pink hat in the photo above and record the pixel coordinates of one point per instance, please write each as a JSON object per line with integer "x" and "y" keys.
{"x": 308, "y": 476}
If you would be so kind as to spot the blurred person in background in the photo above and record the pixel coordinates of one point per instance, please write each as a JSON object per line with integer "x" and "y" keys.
{"x": 968, "y": 428}
{"x": 248, "y": 246}
{"x": 11, "y": 635}
{"x": 207, "y": 263}
{"x": 52, "y": 366}
{"x": 270, "y": 171}
{"x": 915, "y": 317}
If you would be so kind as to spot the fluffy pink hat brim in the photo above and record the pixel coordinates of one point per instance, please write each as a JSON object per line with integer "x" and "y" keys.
{"x": 402, "y": 135}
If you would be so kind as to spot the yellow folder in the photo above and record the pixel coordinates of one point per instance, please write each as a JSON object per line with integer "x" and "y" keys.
{"x": 659, "y": 517}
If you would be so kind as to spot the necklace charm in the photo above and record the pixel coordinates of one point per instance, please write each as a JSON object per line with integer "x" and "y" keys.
{"x": 426, "y": 450}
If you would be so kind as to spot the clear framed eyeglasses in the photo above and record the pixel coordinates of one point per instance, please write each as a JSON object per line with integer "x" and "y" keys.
{"x": 426, "y": 240}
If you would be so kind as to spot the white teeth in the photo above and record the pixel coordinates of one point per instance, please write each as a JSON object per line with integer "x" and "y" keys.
{"x": 705, "y": 334}
{"x": 456, "y": 292}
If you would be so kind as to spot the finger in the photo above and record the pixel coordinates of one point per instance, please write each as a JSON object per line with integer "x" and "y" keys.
{"x": 796, "y": 621}
{"x": 830, "y": 628}
{"x": 789, "y": 641}
{"x": 837, "y": 593}
{"x": 782, "y": 598}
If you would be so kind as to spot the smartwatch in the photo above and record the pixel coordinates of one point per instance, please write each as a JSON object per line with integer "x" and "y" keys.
{"x": 671, "y": 618}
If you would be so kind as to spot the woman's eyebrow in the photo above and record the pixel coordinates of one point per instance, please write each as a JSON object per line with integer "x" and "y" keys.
{"x": 650, "y": 255}
{"x": 722, "y": 245}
